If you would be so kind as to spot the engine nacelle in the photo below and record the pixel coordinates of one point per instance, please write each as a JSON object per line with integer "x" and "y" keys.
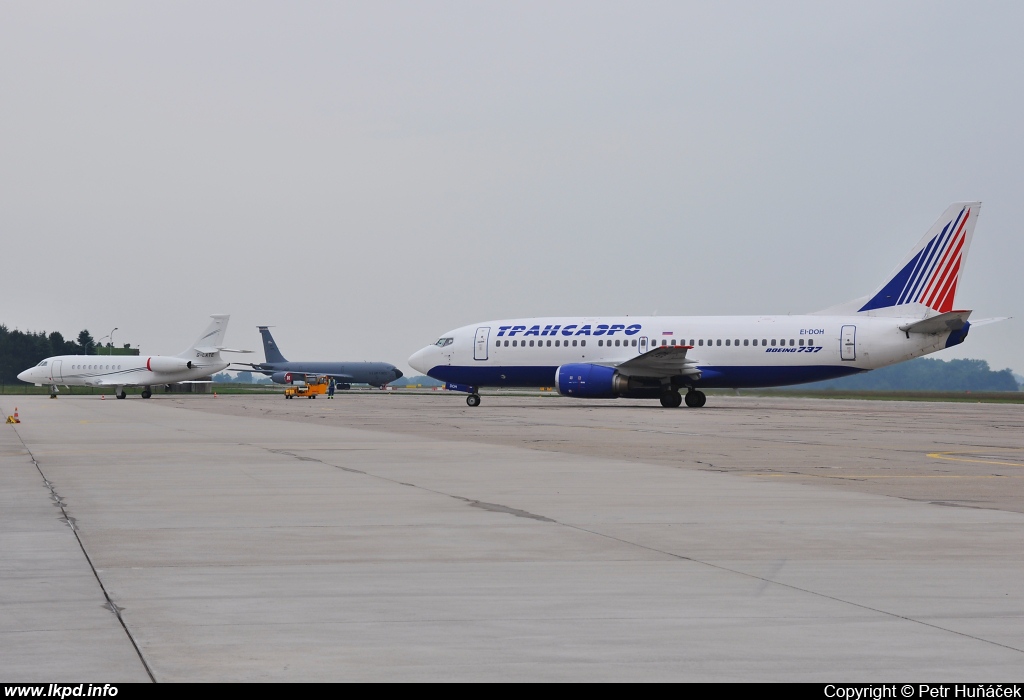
{"x": 287, "y": 377}
{"x": 167, "y": 364}
{"x": 585, "y": 381}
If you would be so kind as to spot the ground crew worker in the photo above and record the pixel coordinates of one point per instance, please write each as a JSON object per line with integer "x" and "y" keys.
{"x": 330, "y": 389}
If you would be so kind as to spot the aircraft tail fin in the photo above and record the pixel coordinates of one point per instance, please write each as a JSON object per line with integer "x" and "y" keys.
{"x": 270, "y": 349}
{"x": 212, "y": 337}
{"x": 925, "y": 283}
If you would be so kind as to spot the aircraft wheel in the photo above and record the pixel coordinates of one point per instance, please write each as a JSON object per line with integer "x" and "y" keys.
{"x": 473, "y": 400}
{"x": 147, "y": 392}
{"x": 122, "y": 394}
{"x": 671, "y": 399}
{"x": 695, "y": 399}
{"x": 53, "y": 396}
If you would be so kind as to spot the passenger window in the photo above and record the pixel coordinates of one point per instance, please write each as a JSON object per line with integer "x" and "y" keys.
{"x": 531, "y": 343}
{"x": 583, "y": 343}
{"x": 515, "y": 341}
{"x": 810, "y": 341}
{"x": 718, "y": 342}
{"x": 727, "y": 341}
{"x": 634, "y": 342}
{"x": 557, "y": 343}
{"x": 664, "y": 342}
{"x": 773, "y": 342}
{"x": 616, "y": 343}
{"x": 746, "y": 342}
{"x": 497, "y": 343}
{"x": 801, "y": 341}
{"x": 506, "y": 343}
{"x": 792, "y": 342}
{"x": 600, "y": 343}
{"x": 549, "y": 343}
{"x": 574, "y": 343}
{"x": 701, "y": 342}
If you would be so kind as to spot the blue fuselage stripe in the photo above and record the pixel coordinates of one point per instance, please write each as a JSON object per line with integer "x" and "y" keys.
{"x": 732, "y": 377}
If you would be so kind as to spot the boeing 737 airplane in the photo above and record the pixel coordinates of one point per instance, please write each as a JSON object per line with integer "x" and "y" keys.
{"x": 912, "y": 313}
{"x": 281, "y": 371}
{"x": 202, "y": 359}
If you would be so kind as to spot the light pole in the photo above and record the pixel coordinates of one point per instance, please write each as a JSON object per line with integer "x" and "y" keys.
{"x": 112, "y": 341}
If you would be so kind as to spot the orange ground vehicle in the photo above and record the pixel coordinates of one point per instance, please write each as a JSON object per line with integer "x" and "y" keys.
{"x": 314, "y": 385}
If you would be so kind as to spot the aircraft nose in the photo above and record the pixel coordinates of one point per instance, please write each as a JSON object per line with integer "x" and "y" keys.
{"x": 420, "y": 360}
{"x": 398, "y": 373}
{"x": 24, "y": 375}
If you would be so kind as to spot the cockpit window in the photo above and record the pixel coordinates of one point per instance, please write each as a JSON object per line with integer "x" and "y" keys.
{"x": 444, "y": 342}
{"x": 42, "y": 364}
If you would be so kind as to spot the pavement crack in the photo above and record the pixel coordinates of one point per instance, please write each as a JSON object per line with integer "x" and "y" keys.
{"x": 71, "y": 522}
{"x": 498, "y": 508}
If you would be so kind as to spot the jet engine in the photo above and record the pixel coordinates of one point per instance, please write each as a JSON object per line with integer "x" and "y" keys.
{"x": 167, "y": 364}
{"x": 585, "y": 381}
{"x": 287, "y": 377}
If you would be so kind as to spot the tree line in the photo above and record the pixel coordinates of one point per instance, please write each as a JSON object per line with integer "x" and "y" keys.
{"x": 926, "y": 374}
{"x": 20, "y": 350}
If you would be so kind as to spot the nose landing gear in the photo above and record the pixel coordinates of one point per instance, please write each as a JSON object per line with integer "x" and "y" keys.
{"x": 473, "y": 400}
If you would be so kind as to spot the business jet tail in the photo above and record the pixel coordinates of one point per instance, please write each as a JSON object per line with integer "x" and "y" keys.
{"x": 925, "y": 283}
{"x": 212, "y": 339}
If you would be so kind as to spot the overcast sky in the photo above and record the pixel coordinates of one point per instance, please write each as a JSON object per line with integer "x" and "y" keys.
{"x": 365, "y": 176}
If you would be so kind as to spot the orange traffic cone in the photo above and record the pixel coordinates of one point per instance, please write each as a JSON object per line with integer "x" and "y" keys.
{"x": 16, "y": 419}
{"x": 102, "y": 396}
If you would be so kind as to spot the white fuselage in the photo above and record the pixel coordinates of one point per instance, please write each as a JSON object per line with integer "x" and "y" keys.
{"x": 730, "y": 351}
{"x": 122, "y": 370}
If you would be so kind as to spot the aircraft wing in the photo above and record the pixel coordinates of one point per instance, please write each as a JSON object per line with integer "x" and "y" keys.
{"x": 108, "y": 382}
{"x": 665, "y": 361}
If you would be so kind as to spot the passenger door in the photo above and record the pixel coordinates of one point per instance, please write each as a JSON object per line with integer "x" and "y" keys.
{"x": 642, "y": 345}
{"x": 483, "y": 335}
{"x": 56, "y": 368}
{"x": 848, "y": 344}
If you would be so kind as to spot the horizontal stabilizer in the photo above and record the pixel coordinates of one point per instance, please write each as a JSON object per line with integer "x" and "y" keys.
{"x": 943, "y": 323}
{"x": 986, "y": 321}
{"x": 666, "y": 361}
{"x": 210, "y": 350}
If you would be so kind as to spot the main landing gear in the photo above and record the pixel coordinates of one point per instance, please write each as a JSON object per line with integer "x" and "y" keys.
{"x": 695, "y": 399}
{"x": 473, "y": 400}
{"x": 147, "y": 392}
{"x": 671, "y": 399}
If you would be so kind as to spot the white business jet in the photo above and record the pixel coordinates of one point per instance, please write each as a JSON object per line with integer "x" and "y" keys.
{"x": 912, "y": 313}
{"x": 202, "y": 359}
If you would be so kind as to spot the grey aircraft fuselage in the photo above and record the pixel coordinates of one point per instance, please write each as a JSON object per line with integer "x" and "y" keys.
{"x": 278, "y": 368}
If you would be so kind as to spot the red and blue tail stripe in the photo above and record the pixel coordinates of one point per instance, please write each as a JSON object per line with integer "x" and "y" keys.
{"x": 930, "y": 277}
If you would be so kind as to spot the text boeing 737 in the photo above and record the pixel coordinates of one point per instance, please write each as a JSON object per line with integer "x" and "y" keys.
{"x": 202, "y": 359}
{"x": 910, "y": 315}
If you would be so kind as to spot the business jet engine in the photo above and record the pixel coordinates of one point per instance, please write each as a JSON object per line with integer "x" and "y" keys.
{"x": 165, "y": 365}
{"x": 585, "y": 381}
